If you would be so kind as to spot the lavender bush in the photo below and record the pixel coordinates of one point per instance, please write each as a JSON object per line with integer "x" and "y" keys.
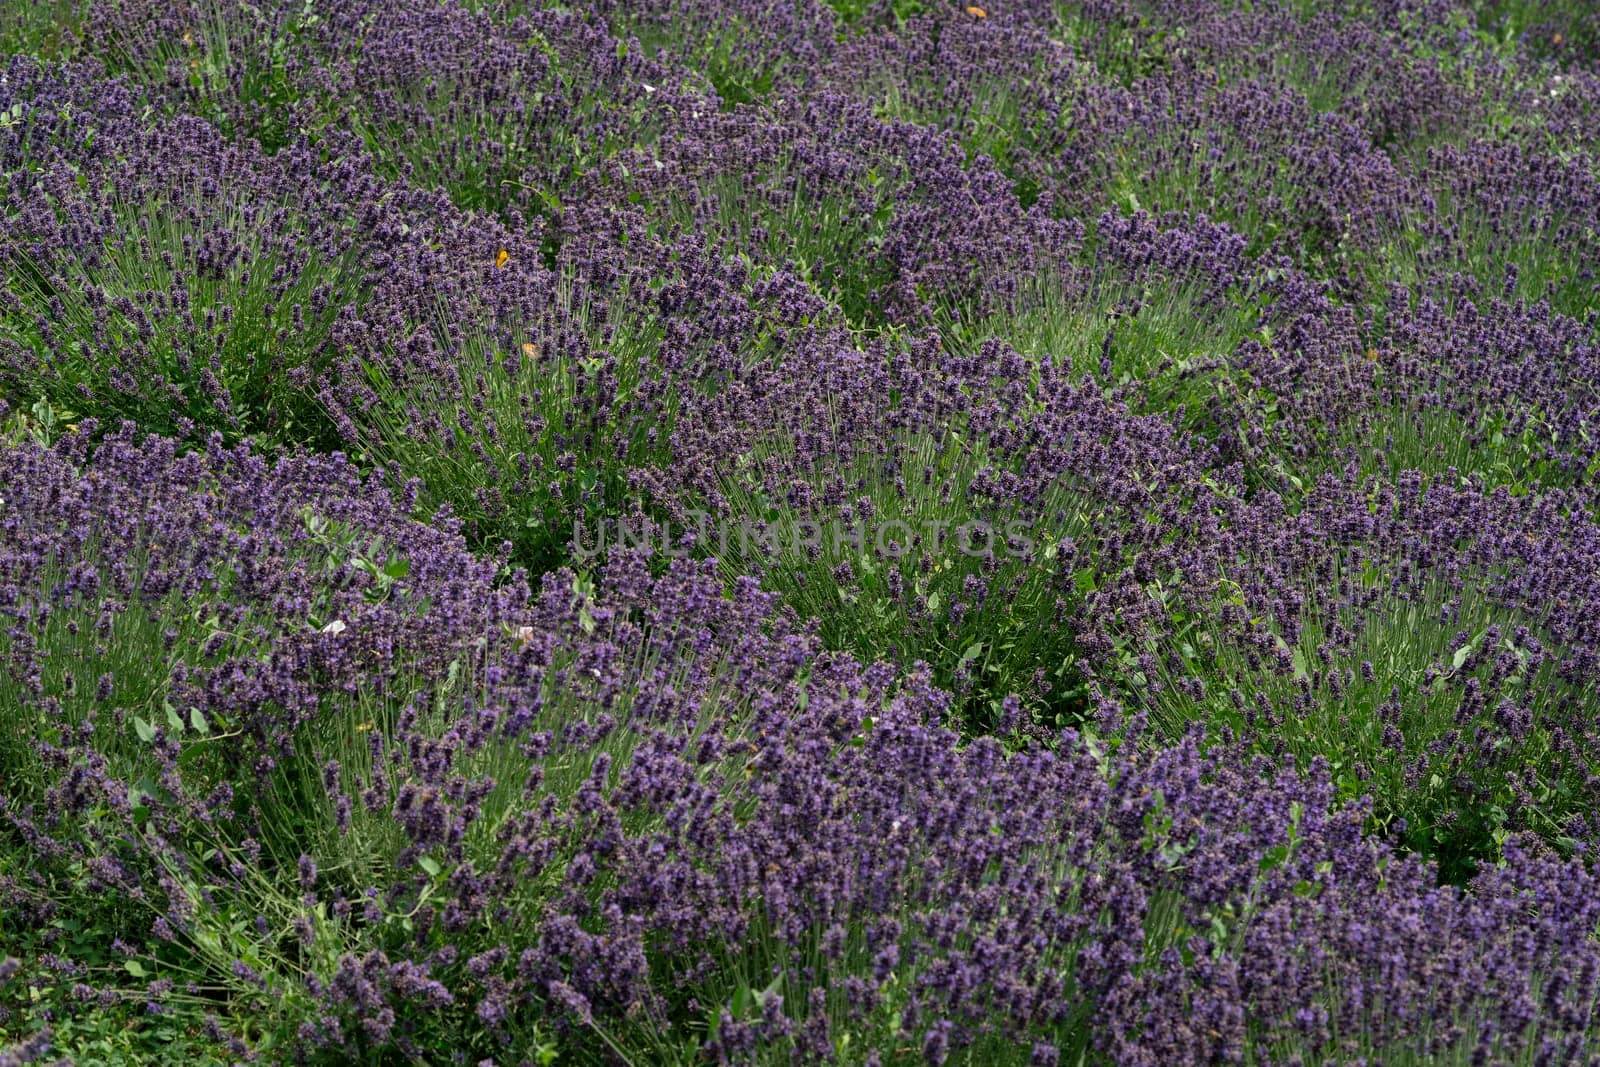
{"x": 850, "y": 531}
{"x": 335, "y": 783}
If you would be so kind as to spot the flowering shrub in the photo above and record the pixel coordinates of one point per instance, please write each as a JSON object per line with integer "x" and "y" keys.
{"x": 319, "y": 763}
{"x": 865, "y": 531}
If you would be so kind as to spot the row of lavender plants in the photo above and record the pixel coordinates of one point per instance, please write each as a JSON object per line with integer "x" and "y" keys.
{"x": 865, "y": 532}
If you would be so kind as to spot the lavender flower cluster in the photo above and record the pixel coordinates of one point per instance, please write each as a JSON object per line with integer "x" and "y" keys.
{"x": 1259, "y": 342}
{"x": 578, "y": 810}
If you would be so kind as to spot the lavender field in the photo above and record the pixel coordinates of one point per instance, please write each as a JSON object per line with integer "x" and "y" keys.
{"x": 857, "y": 532}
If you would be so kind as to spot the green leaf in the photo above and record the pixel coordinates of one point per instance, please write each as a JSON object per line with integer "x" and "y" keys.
{"x": 429, "y": 864}
{"x": 1084, "y": 581}
{"x": 146, "y": 732}
{"x": 1302, "y": 665}
{"x": 134, "y": 967}
{"x": 198, "y": 721}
